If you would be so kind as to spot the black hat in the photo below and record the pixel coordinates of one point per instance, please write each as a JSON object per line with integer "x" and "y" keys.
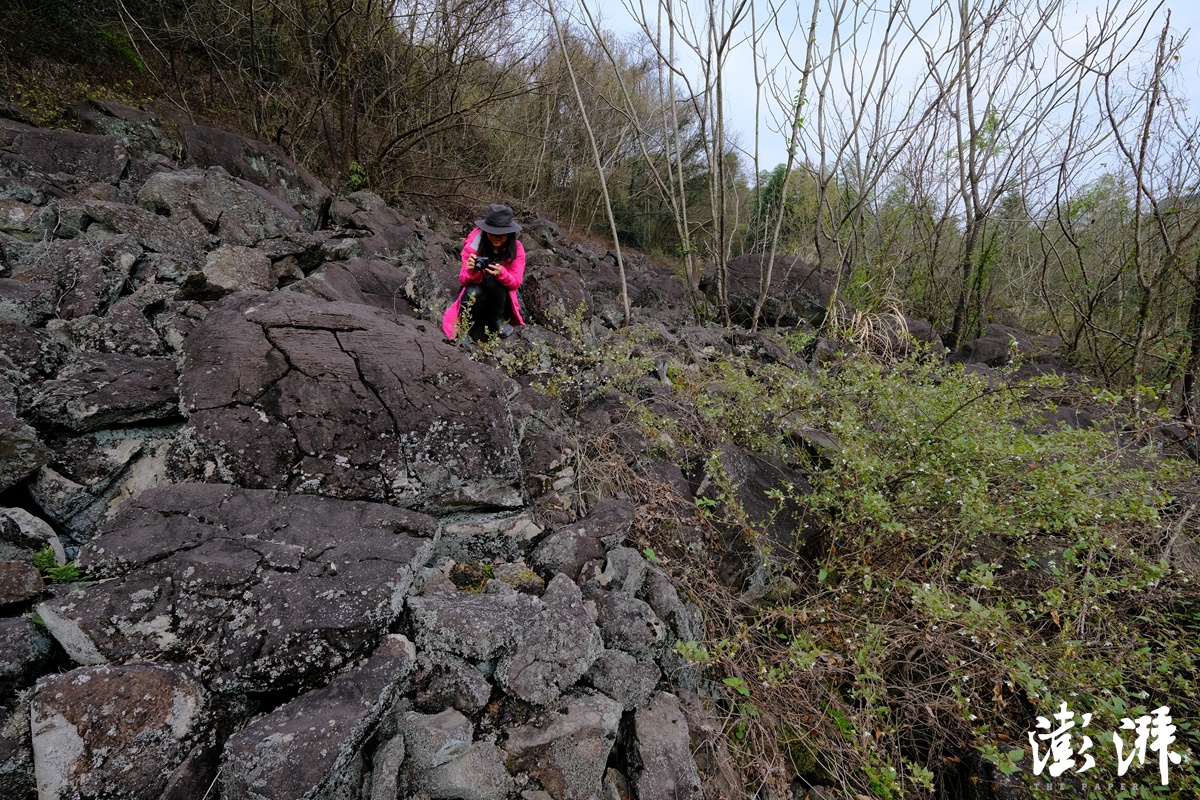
{"x": 499, "y": 219}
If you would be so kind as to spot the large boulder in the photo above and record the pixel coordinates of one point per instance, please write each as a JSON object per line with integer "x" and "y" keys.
{"x": 61, "y": 157}
{"x": 21, "y": 451}
{"x": 25, "y": 302}
{"x": 212, "y": 201}
{"x": 443, "y": 762}
{"x": 386, "y": 231}
{"x": 261, "y": 164}
{"x": 116, "y": 732}
{"x": 153, "y": 232}
{"x": 24, "y": 651}
{"x": 567, "y": 549}
{"x": 539, "y": 647}
{"x": 758, "y": 482}
{"x": 667, "y": 770}
{"x": 286, "y": 391}
{"x": 369, "y": 282}
{"x": 100, "y": 390}
{"x": 86, "y": 275}
{"x": 567, "y": 749}
{"x": 89, "y": 477}
{"x": 267, "y": 590}
{"x": 140, "y": 130}
{"x": 312, "y": 745}
{"x": 799, "y": 292}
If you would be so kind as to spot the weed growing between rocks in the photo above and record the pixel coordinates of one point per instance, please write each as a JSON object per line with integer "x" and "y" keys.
{"x": 47, "y": 564}
{"x": 965, "y": 567}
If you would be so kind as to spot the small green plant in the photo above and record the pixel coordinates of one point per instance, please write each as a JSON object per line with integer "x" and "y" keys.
{"x": 356, "y": 177}
{"x": 51, "y": 570}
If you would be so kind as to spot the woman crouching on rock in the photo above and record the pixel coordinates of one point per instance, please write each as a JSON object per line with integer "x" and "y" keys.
{"x": 493, "y": 266}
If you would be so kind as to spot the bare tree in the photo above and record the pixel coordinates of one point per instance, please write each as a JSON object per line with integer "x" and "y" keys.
{"x": 599, "y": 163}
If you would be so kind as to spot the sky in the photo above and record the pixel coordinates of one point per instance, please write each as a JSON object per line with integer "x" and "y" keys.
{"x": 1185, "y": 17}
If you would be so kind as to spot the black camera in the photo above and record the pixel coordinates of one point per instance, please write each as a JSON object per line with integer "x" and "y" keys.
{"x": 481, "y": 262}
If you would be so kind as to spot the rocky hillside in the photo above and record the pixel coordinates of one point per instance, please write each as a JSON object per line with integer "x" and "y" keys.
{"x": 308, "y": 547}
{"x": 320, "y": 559}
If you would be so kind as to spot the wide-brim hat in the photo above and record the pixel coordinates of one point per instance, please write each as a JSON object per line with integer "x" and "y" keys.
{"x": 499, "y": 219}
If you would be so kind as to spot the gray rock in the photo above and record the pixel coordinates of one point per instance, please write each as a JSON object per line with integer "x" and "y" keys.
{"x": 684, "y": 620}
{"x": 100, "y": 390}
{"x": 781, "y": 527}
{"x": 432, "y": 740}
{"x": 16, "y": 755}
{"x": 664, "y": 751}
{"x": 370, "y": 282}
{"x": 21, "y": 451}
{"x": 28, "y": 356}
{"x": 342, "y": 400}
{"x": 628, "y": 624}
{"x": 86, "y": 275}
{"x": 624, "y": 571}
{"x": 16, "y": 217}
{"x": 555, "y": 647}
{"x": 233, "y": 267}
{"x": 22, "y": 534}
{"x": 473, "y": 626}
{"x": 444, "y": 681}
{"x": 567, "y": 749}
{"x": 308, "y": 747}
{"x": 142, "y": 132}
{"x": 625, "y": 679}
{"x": 385, "y": 770}
{"x": 65, "y": 157}
{"x": 799, "y": 291}
{"x": 124, "y": 329}
{"x": 488, "y": 536}
{"x": 616, "y": 785}
{"x": 268, "y": 590}
{"x": 567, "y": 549}
{"x": 477, "y": 774}
{"x": 387, "y": 231}
{"x": 20, "y": 582}
{"x": 552, "y": 294}
{"x": 115, "y": 732}
{"x": 25, "y": 302}
{"x": 24, "y": 651}
{"x": 212, "y": 201}
{"x": 154, "y": 233}
{"x": 261, "y": 164}
{"x": 92, "y": 475}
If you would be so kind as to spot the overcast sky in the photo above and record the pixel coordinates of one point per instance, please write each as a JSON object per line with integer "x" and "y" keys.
{"x": 1185, "y": 18}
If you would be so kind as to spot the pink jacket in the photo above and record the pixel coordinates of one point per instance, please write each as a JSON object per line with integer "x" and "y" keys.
{"x": 511, "y": 276}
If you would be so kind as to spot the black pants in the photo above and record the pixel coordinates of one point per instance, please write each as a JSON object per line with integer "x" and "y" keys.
{"x": 486, "y": 305}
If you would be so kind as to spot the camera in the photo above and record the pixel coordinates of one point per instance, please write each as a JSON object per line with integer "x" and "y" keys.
{"x": 481, "y": 262}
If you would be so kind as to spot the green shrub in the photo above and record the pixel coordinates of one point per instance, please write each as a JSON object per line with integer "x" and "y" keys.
{"x": 51, "y": 570}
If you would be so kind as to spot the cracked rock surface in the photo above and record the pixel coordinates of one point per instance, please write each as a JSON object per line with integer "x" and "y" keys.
{"x": 262, "y": 588}
{"x": 323, "y": 552}
{"x": 290, "y": 392}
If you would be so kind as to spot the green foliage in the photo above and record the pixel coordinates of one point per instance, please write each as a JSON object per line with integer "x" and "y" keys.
{"x": 356, "y": 177}
{"x": 121, "y": 46}
{"x": 51, "y": 570}
{"x": 977, "y": 568}
{"x": 966, "y": 569}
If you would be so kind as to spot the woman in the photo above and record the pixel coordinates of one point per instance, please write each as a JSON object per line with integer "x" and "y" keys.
{"x": 493, "y": 266}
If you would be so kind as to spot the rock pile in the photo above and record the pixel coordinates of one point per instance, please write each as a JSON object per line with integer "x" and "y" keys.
{"x": 326, "y": 553}
{"x": 305, "y": 520}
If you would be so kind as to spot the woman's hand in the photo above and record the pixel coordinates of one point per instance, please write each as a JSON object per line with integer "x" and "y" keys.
{"x": 471, "y": 262}
{"x": 492, "y": 269}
